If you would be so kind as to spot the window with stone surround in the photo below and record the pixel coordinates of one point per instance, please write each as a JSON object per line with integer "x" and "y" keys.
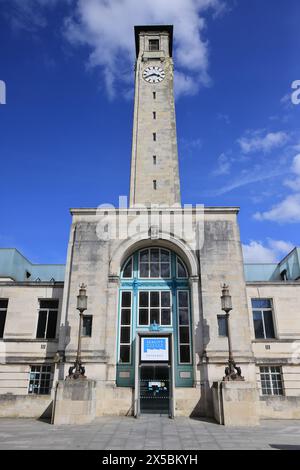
{"x": 262, "y": 311}
{"x": 153, "y": 45}
{"x": 222, "y": 325}
{"x": 47, "y": 320}
{"x": 87, "y": 323}
{"x": 40, "y": 379}
{"x": 271, "y": 380}
{"x": 3, "y": 312}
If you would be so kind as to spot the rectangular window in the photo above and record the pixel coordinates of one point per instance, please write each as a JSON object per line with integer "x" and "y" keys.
{"x": 125, "y": 328}
{"x": 154, "y": 159}
{"x": 154, "y": 187}
{"x": 3, "y": 312}
{"x": 47, "y": 320}
{"x": 155, "y": 262}
{"x": 154, "y": 136}
{"x": 271, "y": 380}
{"x": 40, "y": 380}
{"x": 184, "y": 339}
{"x": 153, "y": 45}
{"x": 87, "y": 322}
{"x": 154, "y": 95}
{"x": 155, "y": 307}
{"x": 262, "y": 311}
{"x": 154, "y": 114}
{"x": 222, "y": 325}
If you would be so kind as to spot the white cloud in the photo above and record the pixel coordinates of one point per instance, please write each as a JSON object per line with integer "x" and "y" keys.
{"x": 286, "y": 101}
{"x": 255, "y": 175}
{"x": 280, "y": 246}
{"x": 271, "y": 252}
{"x": 296, "y": 165}
{"x": 294, "y": 183}
{"x": 107, "y": 28}
{"x": 257, "y": 141}
{"x": 224, "y": 165}
{"x": 288, "y": 210}
{"x": 184, "y": 84}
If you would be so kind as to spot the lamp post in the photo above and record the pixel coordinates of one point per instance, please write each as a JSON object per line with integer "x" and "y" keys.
{"x": 226, "y": 305}
{"x": 78, "y": 371}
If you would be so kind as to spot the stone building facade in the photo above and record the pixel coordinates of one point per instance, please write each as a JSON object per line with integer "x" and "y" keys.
{"x": 154, "y": 337}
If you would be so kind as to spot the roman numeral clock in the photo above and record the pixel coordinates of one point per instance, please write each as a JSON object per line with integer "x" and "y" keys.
{"x": 154, "y": 74}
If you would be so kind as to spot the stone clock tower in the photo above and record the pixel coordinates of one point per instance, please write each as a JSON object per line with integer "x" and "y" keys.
{"x": 154, "y": 162}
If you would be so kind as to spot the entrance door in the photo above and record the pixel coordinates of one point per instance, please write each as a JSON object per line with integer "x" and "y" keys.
{"x": 154, "y": 388}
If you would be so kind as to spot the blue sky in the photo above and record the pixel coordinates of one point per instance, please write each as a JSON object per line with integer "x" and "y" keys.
{"x": 65, "y": 130}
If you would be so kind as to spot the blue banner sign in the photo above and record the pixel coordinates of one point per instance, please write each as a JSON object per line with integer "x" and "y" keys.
{"x": 154, "y": 349}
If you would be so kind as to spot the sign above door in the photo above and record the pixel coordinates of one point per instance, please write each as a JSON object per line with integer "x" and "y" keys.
{"x": 154, "y": 348}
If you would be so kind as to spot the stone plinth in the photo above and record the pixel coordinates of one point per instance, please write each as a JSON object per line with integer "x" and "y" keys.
{"x": 74, "y": 402}
{"x": 236, "y": 403}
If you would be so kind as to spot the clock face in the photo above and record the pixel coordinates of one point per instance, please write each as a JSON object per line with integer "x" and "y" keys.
{"x": 154, "y": 74}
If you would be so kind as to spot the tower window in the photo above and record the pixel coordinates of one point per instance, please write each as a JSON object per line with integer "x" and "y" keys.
{"x": 154, "y": 114}
{"x": 153, "y": 44}
{"x": 154, "y": 184}
{"x": 154, "y": 95}
{"x": 154, "y": 136}
{"x": 154, "y": 159}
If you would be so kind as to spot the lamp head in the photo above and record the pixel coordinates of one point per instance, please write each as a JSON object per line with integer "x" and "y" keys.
{"x": 226, "y": 302}
{"x": 82, "y": 298}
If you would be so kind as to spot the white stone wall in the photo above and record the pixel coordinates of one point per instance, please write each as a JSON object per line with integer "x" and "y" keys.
{"x": 284, "y": 350}
{"x": 19, "y": 347}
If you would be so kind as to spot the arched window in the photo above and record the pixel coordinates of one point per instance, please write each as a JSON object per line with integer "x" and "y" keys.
{"x": 181, "y": 269}
{"x": 154, "y": 263}
{"x": 127, "y": 270}
{"x": 154, "y": 292}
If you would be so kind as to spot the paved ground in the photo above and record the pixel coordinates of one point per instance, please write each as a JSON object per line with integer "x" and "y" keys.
{"x": 147, "y": 432}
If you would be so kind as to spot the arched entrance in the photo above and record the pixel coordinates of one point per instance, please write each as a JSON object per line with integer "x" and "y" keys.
{"x": 154, "y": 331}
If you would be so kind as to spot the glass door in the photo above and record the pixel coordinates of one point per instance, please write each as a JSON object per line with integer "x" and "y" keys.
{"x": 154, "y": 388}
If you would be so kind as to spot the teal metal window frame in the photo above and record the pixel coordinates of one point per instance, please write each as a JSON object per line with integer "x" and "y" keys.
{"x": 135, "y": 284}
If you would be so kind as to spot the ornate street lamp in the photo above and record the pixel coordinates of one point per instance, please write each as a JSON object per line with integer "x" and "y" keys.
{"x": 78, "y": 371}
{"x": 232, "y": 372}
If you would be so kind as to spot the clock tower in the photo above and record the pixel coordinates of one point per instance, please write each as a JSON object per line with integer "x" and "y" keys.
{"x": 154, "y": 161}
